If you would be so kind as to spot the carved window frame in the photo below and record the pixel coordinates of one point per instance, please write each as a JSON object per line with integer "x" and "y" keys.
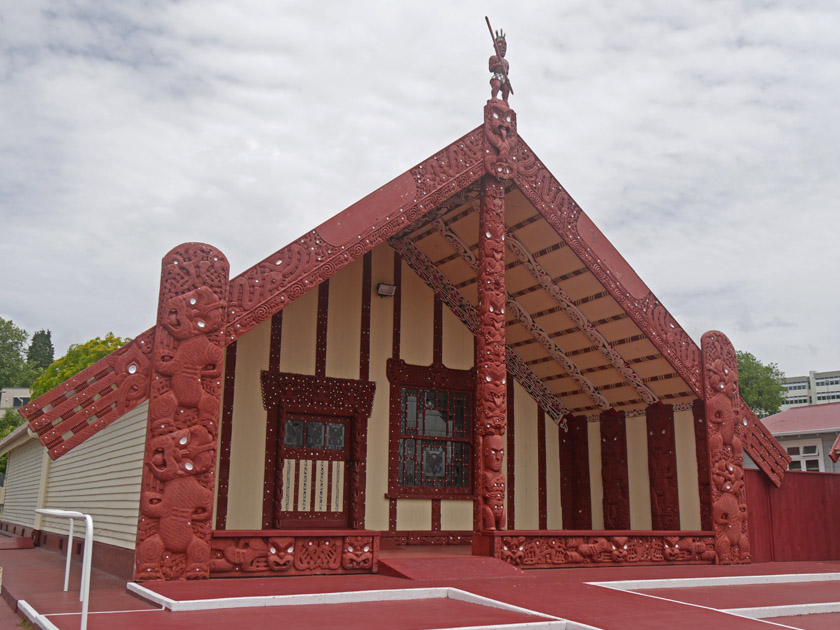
{"x": 435, "y": 377}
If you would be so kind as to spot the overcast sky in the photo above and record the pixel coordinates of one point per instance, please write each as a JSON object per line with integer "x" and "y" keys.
{"x": 701, "y": 137}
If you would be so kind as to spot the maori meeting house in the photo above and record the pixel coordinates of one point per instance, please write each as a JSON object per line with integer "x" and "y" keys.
{"x": 459, "y": 358}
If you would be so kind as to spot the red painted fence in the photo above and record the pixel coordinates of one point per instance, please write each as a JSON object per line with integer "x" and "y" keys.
{"x": 798, "y": 521}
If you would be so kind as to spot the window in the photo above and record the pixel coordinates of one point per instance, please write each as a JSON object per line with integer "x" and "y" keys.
{"x": 431, "y": 418}
{"x": 20, "y": 401}
{"x": 825, "y": 381}
{"x": 805, "y": 455}
{"x": 435, "y": 438}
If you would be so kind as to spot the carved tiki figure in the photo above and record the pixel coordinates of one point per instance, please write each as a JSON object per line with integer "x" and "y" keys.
{"x": 174, "y": 459}
{"x": 493, "y": 482}
{"x": 499, "y": 66}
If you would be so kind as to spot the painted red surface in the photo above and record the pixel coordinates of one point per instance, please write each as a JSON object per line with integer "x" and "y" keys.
{"x": 797, "y": 521}
{"x": 753, "y": 595}
{"x": 827, "y": 621}
{"x": 403, "y": 615}
{"x": 225, "y": 437}
{"x": 614, "y": 471}
{"x": 662, "y": 467}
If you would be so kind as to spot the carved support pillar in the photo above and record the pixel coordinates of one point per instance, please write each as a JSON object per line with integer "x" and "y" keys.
{"x": 575, "y": 493}
{"x": 724, "y": 430}
{"x": 176, "y": 498}
{"x": 491, "y": 368}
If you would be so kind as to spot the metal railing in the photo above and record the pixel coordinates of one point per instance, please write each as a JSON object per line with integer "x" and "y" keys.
{"x": 84, "y": 588}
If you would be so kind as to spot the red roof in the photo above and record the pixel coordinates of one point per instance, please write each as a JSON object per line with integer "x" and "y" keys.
{"x": 808, "y": 419}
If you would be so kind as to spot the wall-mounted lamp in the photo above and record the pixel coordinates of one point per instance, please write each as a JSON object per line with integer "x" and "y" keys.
{"x": 386, "y": 290}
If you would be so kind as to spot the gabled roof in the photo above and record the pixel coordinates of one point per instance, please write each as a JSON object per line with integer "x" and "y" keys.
{"x": 585, "y": 334}
{"x": 806, "y": 419}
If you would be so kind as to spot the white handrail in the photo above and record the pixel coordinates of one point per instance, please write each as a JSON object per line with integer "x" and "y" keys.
{"x": 84, "y": 588}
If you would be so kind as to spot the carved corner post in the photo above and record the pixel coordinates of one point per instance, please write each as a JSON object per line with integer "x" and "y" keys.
{"x": 176, "y": 497}
{"x": 724, "y": 429}
{"x": 491, "y": 370}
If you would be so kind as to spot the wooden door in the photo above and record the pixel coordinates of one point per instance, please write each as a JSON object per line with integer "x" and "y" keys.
{"x": 314, "y": 453}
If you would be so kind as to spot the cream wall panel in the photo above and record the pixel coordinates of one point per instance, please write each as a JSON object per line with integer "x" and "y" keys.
{"x": 687, "y": 471}
{"x": 526, "y": 460}
{"x": 247, "y": 443}
{"x": 414, "y": 514}
{"x": 417, "y": 315}
{"x": 552, "y": 469}
{"x": 344, "y": 322}
{"x": 456, "y": 515}
{"x": 300, "y": 322}
{"x": 458, "y": 352}
{"x": 23, "y": 477}
{"x": 637, "y": 469}
{"x": 381, "y": 339}
{"x": 596, "y": 481}
{"x": 102, "y": 477}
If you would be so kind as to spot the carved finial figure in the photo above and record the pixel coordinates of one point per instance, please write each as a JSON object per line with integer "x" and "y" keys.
{"x": 499, "y": 66}
{"x": 493, "y": 486}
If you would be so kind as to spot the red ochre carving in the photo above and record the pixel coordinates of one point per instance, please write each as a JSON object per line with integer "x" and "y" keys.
{"x": 554, "y": 549}
{"x": 726, "y": 452}
{"x": 176, "y": 500}
{"x": 662, "y": 468}
{"x": 500, "y": 137}
{"x": 614, "y": 471}
{"x": 493, "y": 483}
{"x": 273, "y": 553}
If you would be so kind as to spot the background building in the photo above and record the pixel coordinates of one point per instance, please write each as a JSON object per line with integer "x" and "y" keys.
{"x": 815, "y": 389}
{"x": 13, "y": 397}
{"x": 809, "y": 434}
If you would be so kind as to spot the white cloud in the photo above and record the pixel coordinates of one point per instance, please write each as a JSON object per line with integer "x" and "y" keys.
{"x": 701, "y": 134}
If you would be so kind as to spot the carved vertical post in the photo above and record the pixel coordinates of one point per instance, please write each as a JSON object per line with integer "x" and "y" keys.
{"x": 491, "y": 370}
{"x": 724, "y": 429}
{"x": 575, "y": 492}
{"x": 176, "y": 498}
{"x": 614, "y": 472}
{"x": 662, "y": 467}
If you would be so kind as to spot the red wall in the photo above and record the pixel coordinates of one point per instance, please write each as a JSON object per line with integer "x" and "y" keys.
{"x": 799, "y": 521}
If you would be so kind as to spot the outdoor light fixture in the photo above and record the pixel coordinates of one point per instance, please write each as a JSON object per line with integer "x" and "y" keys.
{"x": 386, "y": 290}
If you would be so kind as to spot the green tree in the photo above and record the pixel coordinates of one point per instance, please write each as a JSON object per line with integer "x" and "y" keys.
{"x": 78, "y": 357}
{"x": 760, "y": 384}
{"x": 9, "y": 421}
{"x": 12, "y": 363}
{"x": 41, "y": 351}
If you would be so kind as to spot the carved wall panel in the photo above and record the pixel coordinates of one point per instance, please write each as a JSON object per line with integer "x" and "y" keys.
{"x": 578, "y": 549}
{"x": 614, "y": 471}
{"x": 725, "y": 428}
{"x": 704, "y": 482}
{"x": 662, "y": 468}
{"x": 293, "y": 552}
{"x": 285, "y": 393}
{"x": 575, "y": 492}
{"x": 176, "y": 498}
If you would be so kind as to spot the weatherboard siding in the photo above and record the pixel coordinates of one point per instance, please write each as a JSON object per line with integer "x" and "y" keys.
{"x": 101, "y": 477}
{"x": 23, "y": 475}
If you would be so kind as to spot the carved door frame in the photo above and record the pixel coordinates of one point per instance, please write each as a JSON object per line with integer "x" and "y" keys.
{"x": 285, "y": 393}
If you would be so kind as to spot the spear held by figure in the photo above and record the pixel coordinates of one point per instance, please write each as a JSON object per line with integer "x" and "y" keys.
{"x": 499, "y": 65}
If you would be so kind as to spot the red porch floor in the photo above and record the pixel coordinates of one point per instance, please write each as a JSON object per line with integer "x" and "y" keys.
{"x": 36, "y": 576}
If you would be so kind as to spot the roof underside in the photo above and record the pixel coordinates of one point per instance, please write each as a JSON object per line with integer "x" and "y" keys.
{"x": 584, "y": 333}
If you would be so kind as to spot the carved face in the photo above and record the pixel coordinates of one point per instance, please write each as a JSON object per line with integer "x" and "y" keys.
{"x": 719, "y": 409}
{"x": 281, "y": 553}
{"x": 502, "y": 46}
{"x": 494, "y": 452}
{"x": 195, "y": 313}
{"x": 181, "y": 453}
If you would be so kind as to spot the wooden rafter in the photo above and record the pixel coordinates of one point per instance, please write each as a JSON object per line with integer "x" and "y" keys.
{"x": 579, "y": 318}
{"x": 521, "y": 313}
{"x": 465, "y": 311}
